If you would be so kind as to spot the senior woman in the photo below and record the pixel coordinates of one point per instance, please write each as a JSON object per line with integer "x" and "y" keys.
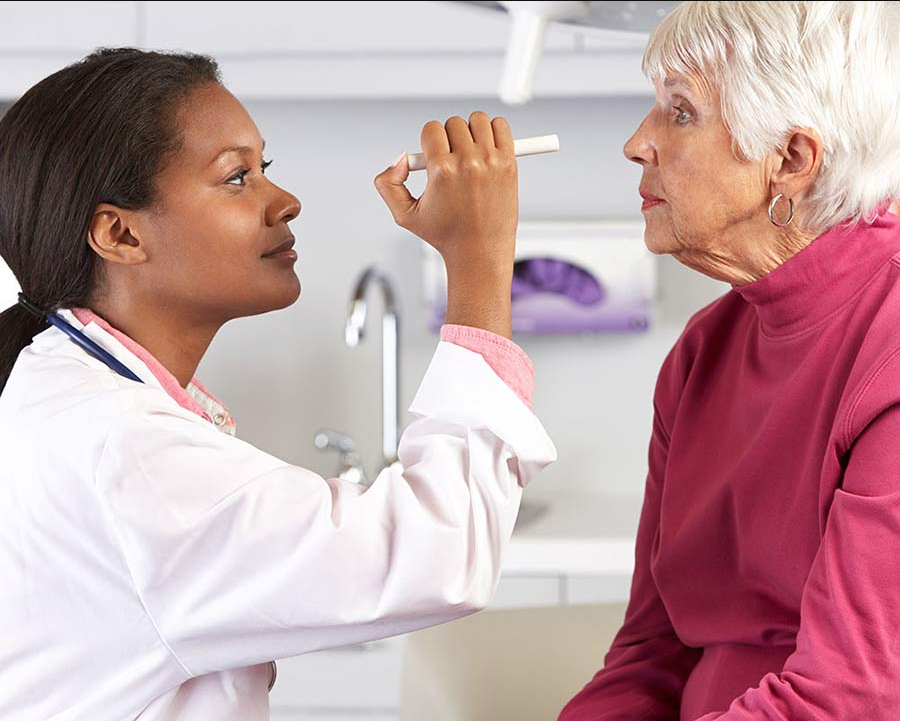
{"x": 766, "y": 581}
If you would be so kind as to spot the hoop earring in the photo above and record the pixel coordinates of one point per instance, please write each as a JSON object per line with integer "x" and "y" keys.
{"x": 772, "y": 211}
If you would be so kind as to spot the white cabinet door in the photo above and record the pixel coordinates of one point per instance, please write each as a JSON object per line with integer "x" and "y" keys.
{"x": 365, "y": 680}
{"x": 63, "y": 27}
{"x": 341, "y": 680}
{"x": 327, "y": 716}
{"x": 528, "y": 592}
{"x": 267, "y": 28}
{"x": 313, "y": 50}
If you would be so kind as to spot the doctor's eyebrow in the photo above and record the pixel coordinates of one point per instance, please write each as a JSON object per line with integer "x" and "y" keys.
{"x": 236, "y": 149}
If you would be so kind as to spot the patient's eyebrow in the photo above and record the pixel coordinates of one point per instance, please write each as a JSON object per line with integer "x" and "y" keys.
{"x": 670, "y": 82}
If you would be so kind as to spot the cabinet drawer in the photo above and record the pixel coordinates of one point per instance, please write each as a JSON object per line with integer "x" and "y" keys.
{"x": 368, "y": 715}
{"x": 363, "y": 681}
{"x": 354, "y": 677}
{"x": 528, "y": 591}
{"x": 597, "y": 589}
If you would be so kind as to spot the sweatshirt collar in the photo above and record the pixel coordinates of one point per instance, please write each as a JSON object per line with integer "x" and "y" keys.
{"x": 823, "y": 277}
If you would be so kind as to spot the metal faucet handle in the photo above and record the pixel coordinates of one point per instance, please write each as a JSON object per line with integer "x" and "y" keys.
{"x": 351, "y": 465}
{"x": 327, "y": 438}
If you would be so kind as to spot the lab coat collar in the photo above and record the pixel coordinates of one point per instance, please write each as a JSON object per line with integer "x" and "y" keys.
{"x": 138, "y": 359}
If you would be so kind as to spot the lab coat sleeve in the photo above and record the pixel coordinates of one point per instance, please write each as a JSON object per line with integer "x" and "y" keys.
{"x": 240, "y": 557}
{"x": 647, "y": 665}
{"x": 847, "y": 661}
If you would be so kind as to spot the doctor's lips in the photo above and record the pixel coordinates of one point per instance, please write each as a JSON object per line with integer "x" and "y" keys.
{"x": 649, "y": 200}
{"x": 283, "y": 251}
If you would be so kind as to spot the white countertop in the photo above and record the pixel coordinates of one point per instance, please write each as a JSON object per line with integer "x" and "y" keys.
{"x": 574, "y": 535}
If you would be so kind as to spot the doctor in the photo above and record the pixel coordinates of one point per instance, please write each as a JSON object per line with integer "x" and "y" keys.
{"x": 152, "y": 563}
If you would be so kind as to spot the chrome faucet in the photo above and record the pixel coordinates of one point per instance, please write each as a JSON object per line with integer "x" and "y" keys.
{"x": 390, "y": 366}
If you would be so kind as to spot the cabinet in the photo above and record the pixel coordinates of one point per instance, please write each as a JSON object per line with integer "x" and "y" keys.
{"x": 364, "y": 681}
{"x": 571, "y": 549}
{"x": 303, "y": 50}
{"x": 33, "y": 29}
{"x": 331, "y": 28}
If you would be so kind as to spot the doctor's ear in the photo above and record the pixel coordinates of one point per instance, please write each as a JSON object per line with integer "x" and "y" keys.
{"x": 112, "y": 237}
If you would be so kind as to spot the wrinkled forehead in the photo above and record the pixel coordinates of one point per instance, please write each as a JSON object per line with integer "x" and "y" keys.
{"x": 698, "y": 89}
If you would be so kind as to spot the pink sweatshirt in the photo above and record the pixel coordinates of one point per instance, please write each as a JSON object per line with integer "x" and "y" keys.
{"x": 767, "y": 576}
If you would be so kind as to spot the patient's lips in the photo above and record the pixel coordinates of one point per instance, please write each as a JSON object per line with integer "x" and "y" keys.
{"x": 650, "y": 200}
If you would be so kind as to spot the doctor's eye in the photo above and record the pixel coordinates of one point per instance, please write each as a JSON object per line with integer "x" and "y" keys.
{"x": 243, "y": 171}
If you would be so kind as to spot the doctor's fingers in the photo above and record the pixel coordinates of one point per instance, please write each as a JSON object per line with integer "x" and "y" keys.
{"x": 434, "y": 140}
{"x": 462, "y": 143}
{"x": 503, "y": 139}
{"x": 391, "y": 186}
{"x": 481, "y": 131}
{"x": 479, "y": 138}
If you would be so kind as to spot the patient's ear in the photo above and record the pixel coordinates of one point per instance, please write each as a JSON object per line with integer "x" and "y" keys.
{"x": 113, "y": 237}
{"x": 800, "y": 161}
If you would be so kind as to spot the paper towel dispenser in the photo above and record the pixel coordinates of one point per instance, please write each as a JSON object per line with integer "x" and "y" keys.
{"x": 569, "y": 277}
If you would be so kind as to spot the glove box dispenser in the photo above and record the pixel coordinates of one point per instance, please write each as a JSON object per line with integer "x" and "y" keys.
{"x": 572, "y": 277}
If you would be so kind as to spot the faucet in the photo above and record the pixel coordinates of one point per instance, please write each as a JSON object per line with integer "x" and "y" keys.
{"x": 390, "y": 341}
{"x": 351, "y": 464}
{"x": 351, "y": 468}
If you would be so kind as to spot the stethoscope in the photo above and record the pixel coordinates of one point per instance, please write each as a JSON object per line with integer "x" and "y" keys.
{"x": 79, "y": 338}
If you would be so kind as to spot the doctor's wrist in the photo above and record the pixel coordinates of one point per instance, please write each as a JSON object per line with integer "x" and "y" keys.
{"x": 483, "y": 303}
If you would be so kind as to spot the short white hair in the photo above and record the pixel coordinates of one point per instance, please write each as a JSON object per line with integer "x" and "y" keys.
{"x": 832, "y": 66}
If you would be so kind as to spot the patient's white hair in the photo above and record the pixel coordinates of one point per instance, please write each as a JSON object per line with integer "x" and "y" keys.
{"x": 832, "y": 66}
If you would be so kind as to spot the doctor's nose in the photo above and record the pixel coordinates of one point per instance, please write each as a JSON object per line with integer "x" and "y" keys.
{"x": 283, "y": 208}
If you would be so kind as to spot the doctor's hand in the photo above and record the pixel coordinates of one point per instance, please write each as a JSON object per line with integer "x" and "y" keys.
{"x": 469, "y": 212}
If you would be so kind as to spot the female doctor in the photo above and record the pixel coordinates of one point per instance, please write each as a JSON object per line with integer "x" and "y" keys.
{"x": 153, "y": 563}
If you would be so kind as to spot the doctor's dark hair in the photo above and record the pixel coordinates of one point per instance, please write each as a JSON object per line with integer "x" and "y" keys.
{"x": 97, "y": 131}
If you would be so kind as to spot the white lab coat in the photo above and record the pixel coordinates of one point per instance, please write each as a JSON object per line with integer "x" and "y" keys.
{"x": 152, "y": 565}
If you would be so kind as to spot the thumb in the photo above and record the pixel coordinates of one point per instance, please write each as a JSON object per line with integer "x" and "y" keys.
{"x": 391, "y": 188}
